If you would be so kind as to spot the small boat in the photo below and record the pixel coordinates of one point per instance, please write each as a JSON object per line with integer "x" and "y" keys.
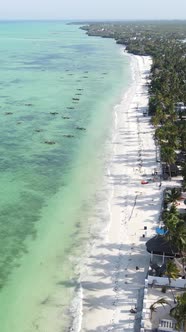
{"x": 38, "y": 130}
{"x": 80, "y": 128}
{"x": 8, "y": 113}
{"x": 144, "y": 182}
{"x": 50, "y": 142}
{"x": 68, "y": 135}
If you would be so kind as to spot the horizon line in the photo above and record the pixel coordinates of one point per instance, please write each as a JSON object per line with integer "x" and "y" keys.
{"x": 90, "y": 20}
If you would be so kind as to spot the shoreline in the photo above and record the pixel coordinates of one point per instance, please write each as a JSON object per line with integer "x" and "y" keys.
{"x": 112, "y": 284}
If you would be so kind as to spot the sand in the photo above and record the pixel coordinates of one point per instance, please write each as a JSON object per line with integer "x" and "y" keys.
{"x": 118, "y": 263}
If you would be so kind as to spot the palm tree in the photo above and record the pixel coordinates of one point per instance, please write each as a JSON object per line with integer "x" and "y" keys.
{"x": 173, "y": 196}
{"x": 173, "y": 208}
{"x": 168, "y": 155}
{"x": 153, "y": 307}
{"x": 180, "y": 236}
{"x": 167, "y": 134}
{"x": 159, "y": 117}
{"x": 182, "y": 134}
{"x": 167, "y": 213}
{"x": 179, "y": 312}
{"x": 171, "y": 221}
{"x": 179, "y": 239}
{"x": 172, "y": 271}
{"x": 172, "y": 115}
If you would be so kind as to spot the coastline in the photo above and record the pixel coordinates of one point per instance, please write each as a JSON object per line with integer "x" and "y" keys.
{"x": 112, "y": 285}
{"x": 48, "y": 271}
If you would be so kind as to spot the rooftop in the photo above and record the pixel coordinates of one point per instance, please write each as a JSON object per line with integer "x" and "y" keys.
{"x": 161, "y": 246}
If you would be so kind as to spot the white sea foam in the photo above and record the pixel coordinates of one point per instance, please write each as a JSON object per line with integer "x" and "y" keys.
{"x": 76, "y": 309}
{"x": 97, "y": 229}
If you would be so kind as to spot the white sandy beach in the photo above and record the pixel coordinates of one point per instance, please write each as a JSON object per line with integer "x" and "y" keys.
{"x": 112, "y": 285}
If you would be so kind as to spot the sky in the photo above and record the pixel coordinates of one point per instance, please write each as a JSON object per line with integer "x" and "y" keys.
{"x": 93, "y": 9}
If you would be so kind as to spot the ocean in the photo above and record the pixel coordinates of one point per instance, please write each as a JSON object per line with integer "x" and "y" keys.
{"x": 58, "y": 89}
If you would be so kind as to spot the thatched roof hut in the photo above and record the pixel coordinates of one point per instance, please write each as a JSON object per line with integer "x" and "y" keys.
{"x": 159, "y": 245}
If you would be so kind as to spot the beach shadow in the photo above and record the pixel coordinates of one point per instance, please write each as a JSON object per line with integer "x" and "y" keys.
{"x": 113, "y": 327}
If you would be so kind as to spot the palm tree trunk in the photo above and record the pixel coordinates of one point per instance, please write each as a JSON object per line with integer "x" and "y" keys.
{"x": 172, "y": 290}
{"x": 174, "y": 299}
{"x": 183, "y": 262}
{"x": 169, "y": 171}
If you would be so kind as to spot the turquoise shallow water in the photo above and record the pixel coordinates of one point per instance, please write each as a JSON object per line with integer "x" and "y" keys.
{"x": 57, "y": 92}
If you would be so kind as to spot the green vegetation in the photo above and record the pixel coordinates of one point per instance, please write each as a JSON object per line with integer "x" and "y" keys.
{"x": 165, "y": 42}
{"x": 179, "y": 312}
{"x": 172, "y": 271}
{"x": 172, "y": 196}
{"x": 153, "y": 307}
{"x": 174, "y": 224}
